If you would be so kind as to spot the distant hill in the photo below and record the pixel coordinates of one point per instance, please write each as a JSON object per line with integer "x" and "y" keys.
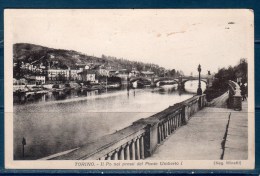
{"x": 36, "y": 54}
{"x": 31, "y": 53}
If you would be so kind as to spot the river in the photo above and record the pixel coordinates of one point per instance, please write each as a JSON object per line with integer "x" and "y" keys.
{"x": 50, "y": 127}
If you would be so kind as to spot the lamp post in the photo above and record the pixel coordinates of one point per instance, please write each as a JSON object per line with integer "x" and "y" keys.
{"x": 24, "y": 143}
{"x": 199, "y": 90}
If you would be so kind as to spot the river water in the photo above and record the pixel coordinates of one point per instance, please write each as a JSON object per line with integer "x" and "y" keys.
{"x": 50, "y": 127}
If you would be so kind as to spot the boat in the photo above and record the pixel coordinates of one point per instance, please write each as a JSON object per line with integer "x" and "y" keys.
{"x": 113, "y": 86}
{"x": 97, "y": 87}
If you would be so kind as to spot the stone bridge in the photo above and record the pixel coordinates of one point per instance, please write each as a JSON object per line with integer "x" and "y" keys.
{"x": 180, "y": 81}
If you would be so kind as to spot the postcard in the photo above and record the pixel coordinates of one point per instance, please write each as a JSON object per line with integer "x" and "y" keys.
{"x": 129, "y": 89}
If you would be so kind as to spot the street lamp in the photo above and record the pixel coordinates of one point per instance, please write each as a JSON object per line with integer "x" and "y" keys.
{"x": 199, "y": 90}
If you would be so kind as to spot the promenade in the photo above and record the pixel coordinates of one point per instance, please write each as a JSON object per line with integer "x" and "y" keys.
{"x": 211, "y": 134}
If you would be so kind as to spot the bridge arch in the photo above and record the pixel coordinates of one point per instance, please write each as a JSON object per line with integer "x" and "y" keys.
{"x": 202, "y": 80}
{"x": 165, "y": 79}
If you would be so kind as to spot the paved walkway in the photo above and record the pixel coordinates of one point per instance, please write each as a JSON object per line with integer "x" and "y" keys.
{"x": 202, "y": 137}
{"x": 237, "y": 139}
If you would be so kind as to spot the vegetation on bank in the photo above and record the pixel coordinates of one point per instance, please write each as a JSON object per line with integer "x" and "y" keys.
{"x": 237, "y": 73}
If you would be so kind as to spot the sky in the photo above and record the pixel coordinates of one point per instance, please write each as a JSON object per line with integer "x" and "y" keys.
{"x": 179, "y": 39}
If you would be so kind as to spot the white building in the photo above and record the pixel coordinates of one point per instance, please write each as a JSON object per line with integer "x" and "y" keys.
{"x": 38, "y": 80}
{"x": 57, "y": 74}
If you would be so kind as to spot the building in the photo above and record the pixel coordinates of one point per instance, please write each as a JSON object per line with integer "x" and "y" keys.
{"x": 103, "y": 71}
{"x": 122, "y": 73}
{"x": 106, "y": 72}
{"x": 22, "y": 81}
{"x": 57, "y": 74}
{"x": 88, "y": 75}
{"x": 38, "y": 80}
{"x": 73, "y": 74}
{"x": 111, "y": 73}
{"x": 134, "y": 73}
{"x": 63, "y": 75}
{"x": 147, "y": 74}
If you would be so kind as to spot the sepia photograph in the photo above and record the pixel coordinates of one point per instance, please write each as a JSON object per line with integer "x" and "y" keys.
{"x": 147, "y": 88}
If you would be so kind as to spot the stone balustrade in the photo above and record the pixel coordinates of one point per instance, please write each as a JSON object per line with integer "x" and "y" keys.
{"x": 131, "y": 150}
{"x": 139, "y": 140}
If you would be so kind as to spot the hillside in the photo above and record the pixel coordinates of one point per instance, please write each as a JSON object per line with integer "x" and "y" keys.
{"x": 36, "y": 54}
{"x": 30, "y": 53}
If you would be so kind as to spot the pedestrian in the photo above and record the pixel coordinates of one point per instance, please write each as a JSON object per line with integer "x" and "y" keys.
{"x": 243, "y": 91}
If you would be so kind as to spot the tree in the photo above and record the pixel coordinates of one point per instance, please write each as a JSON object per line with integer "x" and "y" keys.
{"x": 172, "y": 73}
{"x": 241, "y": 70}
{"x": 17, "y": 72}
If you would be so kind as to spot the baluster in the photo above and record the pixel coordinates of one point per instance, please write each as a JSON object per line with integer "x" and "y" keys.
{"x": 132, "y": 147}
{"x": 115, "y": 155}
{"x": 137, "y": 149}
{"x": 169, "y": 127}
{"x": 177, "y": 120}
{"x": 180, "y": 123}
{"x": 161, "y": 127}
{"x": 159, "y": 133}
{"x": 166, "y": 128}
{"x": 180, "y": 119}
{"x": 174, "y": 122}
{"x": 142, "y": 147}
{"x": 108, "y": 157}
{"x": 163, "y": 131}
{"x": 127, "y": 152}
{"x": 171, "y": 124}
{"x": 121, "y": 154}
{"x": 190, "y": 110}
{"x": 182, "y": 116}
{"x": 167, "y": 123}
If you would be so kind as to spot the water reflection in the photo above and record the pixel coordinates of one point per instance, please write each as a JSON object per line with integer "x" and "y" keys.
{"x": 192, "y": 86}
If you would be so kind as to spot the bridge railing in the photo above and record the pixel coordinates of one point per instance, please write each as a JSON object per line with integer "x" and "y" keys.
{"x": 139, "y": 140}
{"x": 235, "y": 98}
